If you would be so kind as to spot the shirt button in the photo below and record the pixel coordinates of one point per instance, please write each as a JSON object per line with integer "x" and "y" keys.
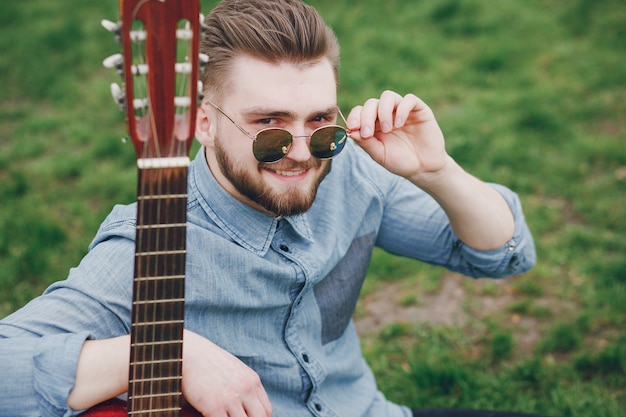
{"x": 318, "y": 407}
{"x": 284, "y": 248}
{"x": 305, "y": 358}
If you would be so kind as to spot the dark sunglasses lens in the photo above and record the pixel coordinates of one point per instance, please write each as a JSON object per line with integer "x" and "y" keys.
{"x": 328, "y": 141}
{"x": 271, "y": 145}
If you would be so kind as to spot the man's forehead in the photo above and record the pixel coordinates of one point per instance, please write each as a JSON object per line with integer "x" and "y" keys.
{"x": 281, "y": 86}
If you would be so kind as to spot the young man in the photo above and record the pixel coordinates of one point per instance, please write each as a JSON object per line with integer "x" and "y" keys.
{"x": 278, "y": 242}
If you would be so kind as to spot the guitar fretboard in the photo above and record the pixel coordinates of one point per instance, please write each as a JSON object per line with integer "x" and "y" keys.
{"x": 158, "y": 293}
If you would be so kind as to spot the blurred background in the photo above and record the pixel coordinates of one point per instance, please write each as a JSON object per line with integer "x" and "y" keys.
{"x": 530, "y": 94}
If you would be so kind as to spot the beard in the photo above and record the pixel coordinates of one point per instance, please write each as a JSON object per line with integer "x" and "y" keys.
{"x": 295, "y": 199}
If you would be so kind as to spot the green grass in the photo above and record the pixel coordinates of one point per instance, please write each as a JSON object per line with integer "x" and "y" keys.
{"x": 530, "y": 94}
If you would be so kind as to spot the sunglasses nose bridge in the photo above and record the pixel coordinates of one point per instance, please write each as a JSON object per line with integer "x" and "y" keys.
{"x": 299, "y": 150}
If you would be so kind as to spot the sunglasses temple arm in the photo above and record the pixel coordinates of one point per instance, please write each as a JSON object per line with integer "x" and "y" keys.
{"x": 234, "y": 122}
{"x": 344, "y": 119}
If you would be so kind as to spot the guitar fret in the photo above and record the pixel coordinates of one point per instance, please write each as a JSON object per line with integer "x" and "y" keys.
{"x": 161, "y": 196}
{"x": 160, "y": 301}
{"x": 160, "y": 226}
{"x": 157, "y": 361}
{"x": 165, "y": 252}
{"x": 162, "y": 277}
{"x": 164, "y": 394}
{"x": 162, "y": 378}
{"x": 154, "y": 323}
{"x": 155, "y": 343}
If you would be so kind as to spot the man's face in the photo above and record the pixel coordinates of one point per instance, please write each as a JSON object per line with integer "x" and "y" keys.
{"x": 299, "y": 99}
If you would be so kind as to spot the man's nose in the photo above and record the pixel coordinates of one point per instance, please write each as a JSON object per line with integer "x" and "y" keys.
{"x": 300, "y": 150}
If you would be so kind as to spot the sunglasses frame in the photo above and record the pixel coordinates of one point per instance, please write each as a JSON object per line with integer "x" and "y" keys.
{"x": 285, "y": 152}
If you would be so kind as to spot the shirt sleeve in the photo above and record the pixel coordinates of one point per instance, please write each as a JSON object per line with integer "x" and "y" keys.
{"x": 54, "y": 371}
{"x": 38, "y": 374}
{"x": 516, "y": 256}
{"x": 414, "y": 225}
{"x": 40, "y": 343}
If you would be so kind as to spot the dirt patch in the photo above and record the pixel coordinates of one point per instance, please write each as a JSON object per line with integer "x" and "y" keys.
{"x": 458, "y": 301}
{"x": 385, "y": 306}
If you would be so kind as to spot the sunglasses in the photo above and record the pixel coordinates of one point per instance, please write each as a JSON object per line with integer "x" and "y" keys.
{"x": 273, "y": 144}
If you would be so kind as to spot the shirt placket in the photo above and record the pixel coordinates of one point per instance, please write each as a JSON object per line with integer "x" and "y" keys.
{"x": 311, "y": 370}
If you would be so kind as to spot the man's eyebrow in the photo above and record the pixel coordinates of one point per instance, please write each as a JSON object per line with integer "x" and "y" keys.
{"x": 332, "y": 110}
{"x": 265, "y": 112}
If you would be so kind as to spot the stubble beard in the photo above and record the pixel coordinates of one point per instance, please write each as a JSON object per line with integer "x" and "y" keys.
{"x": 296, "y": 199}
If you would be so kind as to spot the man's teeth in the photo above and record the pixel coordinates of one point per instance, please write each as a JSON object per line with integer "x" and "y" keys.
{"x": 290, "y": 173}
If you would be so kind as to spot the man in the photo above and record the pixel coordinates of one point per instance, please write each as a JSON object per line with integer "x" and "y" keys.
{"x": 278, "y": 242}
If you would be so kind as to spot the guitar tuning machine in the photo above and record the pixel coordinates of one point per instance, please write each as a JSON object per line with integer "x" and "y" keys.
{"x": 118, "y": 96}
{"x": 203, "y": 61}
{"x": 115, "y": 28}
{"x": 115, "y": 61}
{"x": 200, "y": 93}
{"x": 203, "y": 27}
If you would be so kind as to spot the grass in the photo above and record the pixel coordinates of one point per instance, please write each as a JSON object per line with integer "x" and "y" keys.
{"x": 529, "y": 94}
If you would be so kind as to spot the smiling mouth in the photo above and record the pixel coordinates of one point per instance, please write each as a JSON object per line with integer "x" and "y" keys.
{"x": 290, "y": 173}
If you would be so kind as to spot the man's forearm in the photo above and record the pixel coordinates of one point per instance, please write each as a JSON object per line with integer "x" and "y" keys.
{"x": 478, "y": 214}
{"x": 102, "y": 372}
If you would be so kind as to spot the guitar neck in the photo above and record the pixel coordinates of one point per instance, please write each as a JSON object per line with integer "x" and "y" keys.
{"x": 158, "y": 293}
{"x": 159, "y": 64}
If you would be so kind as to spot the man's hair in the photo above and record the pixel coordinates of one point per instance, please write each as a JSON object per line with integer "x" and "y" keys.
{"x": 273, "y": 31}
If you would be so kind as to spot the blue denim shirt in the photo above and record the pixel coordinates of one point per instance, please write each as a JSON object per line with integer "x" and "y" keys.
{"x": 278, "y": 293}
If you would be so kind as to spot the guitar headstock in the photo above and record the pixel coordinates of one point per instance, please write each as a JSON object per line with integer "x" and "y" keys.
{"x": 159, "y": 64}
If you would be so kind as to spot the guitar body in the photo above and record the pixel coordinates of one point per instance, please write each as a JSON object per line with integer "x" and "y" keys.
{"x": 119, "y": 408}
{"x": 111, "y": 408}
{"x": 159, "y": 64}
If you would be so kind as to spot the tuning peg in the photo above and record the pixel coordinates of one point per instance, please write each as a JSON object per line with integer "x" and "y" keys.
{"x": 138, "y": 35}
{"x": 200, "y": 92}
{"x": 112, "y": 27}
{"x": 183, "y": 67}
{"x": 141, "y": 104}
{"x": 185, "y": 34}
{"x": 140, "y": 69}
{"x": 203, "y": 61}
{"x": 118, "y": 96}
{"x": 182, "y": 101}
{"x": 203, "y": 27}
{"x": 115, "y": 61}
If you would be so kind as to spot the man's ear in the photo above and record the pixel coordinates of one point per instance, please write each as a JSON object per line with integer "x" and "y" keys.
{"x": 205, "y": 128}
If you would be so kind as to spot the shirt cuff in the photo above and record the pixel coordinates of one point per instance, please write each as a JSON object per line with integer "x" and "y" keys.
{"x": 55, "y": 361}
{"x": 515, "y": 257}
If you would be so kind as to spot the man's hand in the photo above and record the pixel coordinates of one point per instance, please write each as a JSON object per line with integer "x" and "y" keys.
{"x": 217, "y": 384}
{"x": 400, "y": 133}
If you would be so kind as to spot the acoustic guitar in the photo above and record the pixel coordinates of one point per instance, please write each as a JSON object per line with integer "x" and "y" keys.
{"x": 160, "y": 94}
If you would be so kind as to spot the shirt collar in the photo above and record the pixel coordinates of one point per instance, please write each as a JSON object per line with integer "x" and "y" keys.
{"x": 248, "y": 227}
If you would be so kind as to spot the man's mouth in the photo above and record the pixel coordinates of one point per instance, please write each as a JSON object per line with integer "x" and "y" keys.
{"x": 290, "y": 173}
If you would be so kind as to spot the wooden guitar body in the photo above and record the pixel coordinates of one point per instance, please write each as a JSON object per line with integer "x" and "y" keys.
{"x": 119, "y": 408}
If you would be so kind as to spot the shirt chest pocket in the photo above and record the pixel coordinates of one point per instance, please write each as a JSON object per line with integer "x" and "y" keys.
{"x": 338, "y": 292}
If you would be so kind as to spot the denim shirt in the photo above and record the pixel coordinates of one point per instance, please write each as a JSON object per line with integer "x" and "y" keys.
{"x": 278, "y": 293}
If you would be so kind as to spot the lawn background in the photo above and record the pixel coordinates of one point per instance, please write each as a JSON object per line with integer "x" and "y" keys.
{"x": 529, "y": 93}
